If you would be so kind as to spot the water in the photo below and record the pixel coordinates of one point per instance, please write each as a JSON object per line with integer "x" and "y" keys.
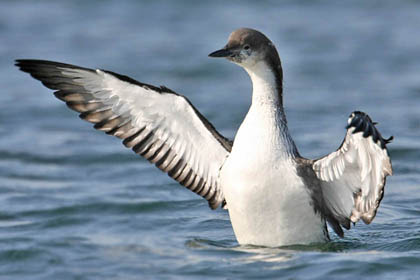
{"x": 75, "y": 204}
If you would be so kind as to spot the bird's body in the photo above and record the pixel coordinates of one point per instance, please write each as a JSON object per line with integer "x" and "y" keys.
{"x": 267, "y": 200}
{"x": 274, "y": 196}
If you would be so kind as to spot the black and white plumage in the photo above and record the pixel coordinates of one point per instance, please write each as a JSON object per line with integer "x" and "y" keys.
{"x": 274, "y": 196}
{"x": 156, "y": 123}
{"x": 353, "y": 178}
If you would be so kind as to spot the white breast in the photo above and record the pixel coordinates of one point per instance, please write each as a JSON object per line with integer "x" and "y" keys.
{"x": 268, "y": 203}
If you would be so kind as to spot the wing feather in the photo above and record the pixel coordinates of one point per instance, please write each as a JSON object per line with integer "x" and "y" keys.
{"x": 155, "y": 122}
{"x": 353, "y": 177}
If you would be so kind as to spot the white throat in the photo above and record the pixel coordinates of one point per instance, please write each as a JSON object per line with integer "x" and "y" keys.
{"x": 264, "y": 87}
{"x": 264, "y": 129}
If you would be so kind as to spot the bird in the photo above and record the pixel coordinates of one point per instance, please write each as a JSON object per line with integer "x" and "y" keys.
{"x": 273, "y": 195}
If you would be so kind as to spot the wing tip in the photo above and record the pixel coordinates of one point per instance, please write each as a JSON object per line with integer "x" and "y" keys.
{"x": 18, "y": 62}
{"x": 25, "y": 64}
{"x": 361, "y": 122}
{"x": 32, "y": 65}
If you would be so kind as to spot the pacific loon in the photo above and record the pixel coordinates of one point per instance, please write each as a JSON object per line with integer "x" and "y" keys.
{"x": 274, "y": 196}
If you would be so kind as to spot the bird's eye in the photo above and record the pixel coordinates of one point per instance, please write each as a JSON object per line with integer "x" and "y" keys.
{"x": 246, "y": 47}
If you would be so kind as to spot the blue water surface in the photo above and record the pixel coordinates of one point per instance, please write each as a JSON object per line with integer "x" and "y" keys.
{"x": 75, "y": 204}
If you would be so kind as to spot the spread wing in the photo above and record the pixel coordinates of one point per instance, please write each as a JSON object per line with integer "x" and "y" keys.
{"x": 155, "y": 122}
{"x": 353, "y": 178}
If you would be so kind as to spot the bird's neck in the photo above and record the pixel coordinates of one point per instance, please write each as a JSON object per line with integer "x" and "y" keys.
{"x": 267, "y": 89}
{"x": 266, "y": 116}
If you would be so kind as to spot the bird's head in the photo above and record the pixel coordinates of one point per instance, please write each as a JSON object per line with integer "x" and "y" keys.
{"x": 246, "y": 47}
